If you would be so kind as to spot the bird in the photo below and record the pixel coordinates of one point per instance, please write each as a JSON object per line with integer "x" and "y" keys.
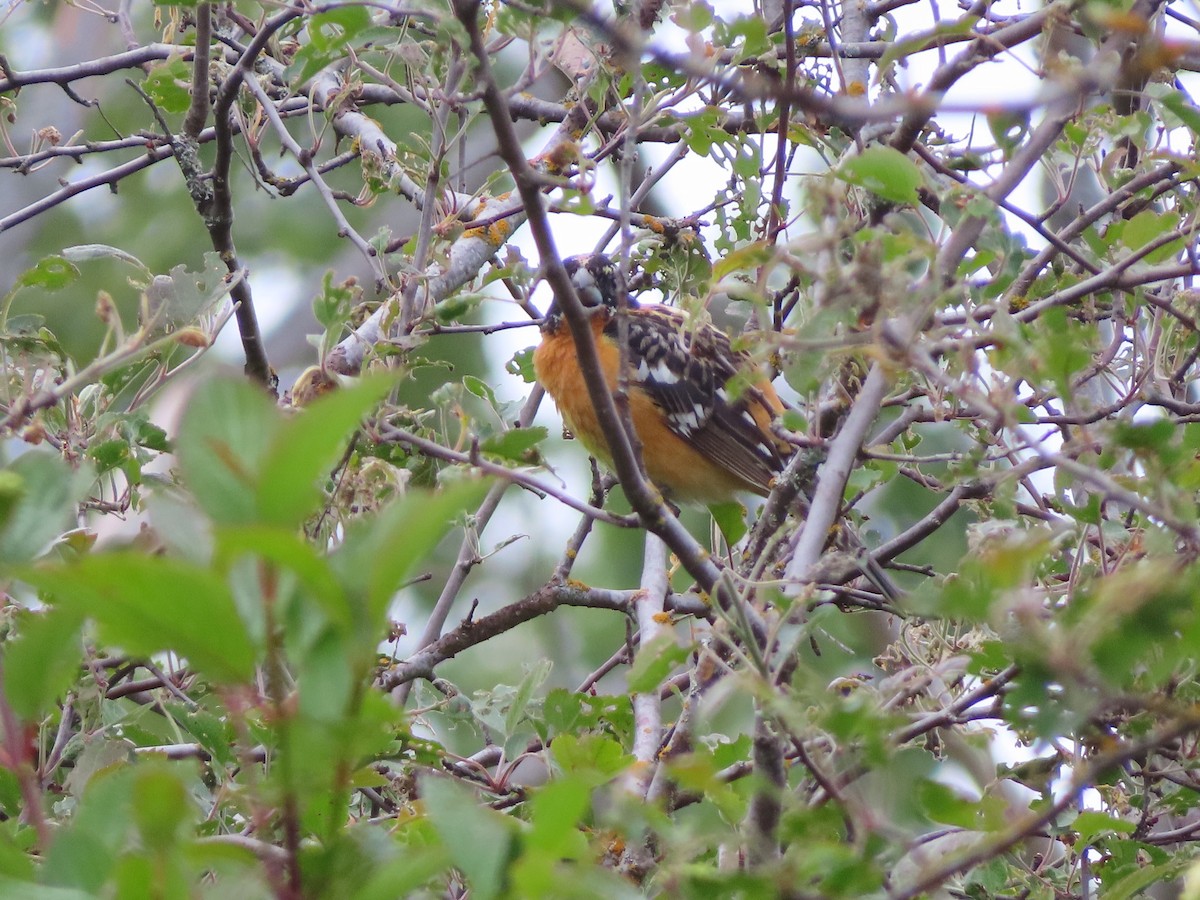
{"x": 701, "y": 443}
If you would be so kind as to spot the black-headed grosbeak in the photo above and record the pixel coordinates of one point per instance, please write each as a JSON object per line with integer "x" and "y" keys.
{"x": 699, "y": 442}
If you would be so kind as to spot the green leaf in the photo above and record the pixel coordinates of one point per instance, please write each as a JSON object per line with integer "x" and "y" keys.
{"x": 592, "y": 755}
{"x": 181, "y": 297}
{"x": 1008, "y": 128}
{"x": 169, "y": 85}
{"x": 329, "y": 34}
{"x": 42, "y": 662}
{"x": 1148, "y": 226}
{"x": 326, "y": 680}
{"x": 85, "y": 850}
{"x": 749, "y": 256}
{"x": 285, "y": 548}
{"x": 307, "y": 446}
{"x": 38, "y": 497}
{"x": 147, "y": 604}
{"x": 556, "y": 809}
{"x": 477, "y": 838}
{"x": 160, "y": 806}
{"x": 379, "y": 553}
{"x": 899, "y": 49}
{"x": 945, "y": 805}
{"x": 535, "y": 676}
{"x": 885, "y": 172}
{"x": 211, "y": 729}
{"x": 1181, "y": 106}
{"x": 654, "y": 662}
{"x": 479, "y": 388}
{"x": 731, "y": 519}
{"x": 53, "y": 274}
{"x": 89, "y": 252}
{"x": 521, "y": 365}
{"x": 1090, "y": 825}
{"x": 227, "y": 430}
{"x": 109, "y": 455}
{"x": 515, "y": 443}
{"x": 747, "y": 34}
{"x": 401, "y": 877}
{"x": 333, "y": 305}
{"x": 20, "y": 890}
{"x": 1134, "y": 884}
{"x": 694, "y": 16}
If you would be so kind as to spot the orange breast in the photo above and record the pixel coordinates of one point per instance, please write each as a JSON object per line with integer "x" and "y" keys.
{"x": 672, "y": 464}
{"x": 557, "y": 368}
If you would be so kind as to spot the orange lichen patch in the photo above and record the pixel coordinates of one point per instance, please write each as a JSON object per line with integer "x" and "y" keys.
{"x": 192, "y": 337}
{"x": 559, "y": 158}
{"x": 498, "y": 232}
{"x": 1120, "y": 20}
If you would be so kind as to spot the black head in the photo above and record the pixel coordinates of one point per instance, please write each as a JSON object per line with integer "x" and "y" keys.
{"x": 597, "y": 284}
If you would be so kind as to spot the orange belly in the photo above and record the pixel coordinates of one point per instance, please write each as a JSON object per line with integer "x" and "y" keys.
{"x": 671, "y": 463}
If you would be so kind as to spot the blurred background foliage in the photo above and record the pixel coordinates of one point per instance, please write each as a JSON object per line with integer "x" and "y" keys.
{"x": 322, "y": 645}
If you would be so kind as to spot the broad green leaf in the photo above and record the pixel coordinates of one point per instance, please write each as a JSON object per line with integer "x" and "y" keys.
{"x": 148, "y": 604}
{"x": 38, "y": 497}
{"x": 694, "y": 16}
{"x": 593, "y": 755}
{"x": 41, "y": 663}
{"x": 306, "y": 447}
{"x": 1177, "y": 103}
{"x": 749, "y": 256}
{"x": 326, "y": 680}
{"x": 556, "y": 811}
{"x": 329, "y": 34}
{"x": 1135, "y": 884}
{"x": 515, "y": 443}
{"x": 731, "y": 519}
{"x": 944, "y": 804}
{"x": 885, "y": 172}
{"x": 1149, "y": 226}
{"x": 168, "y": 85}
{"x": 181, "y": 297}
{"x": 85, "y": 850}
{"x": 1090, "y": 825}
{"x": 227, "y": 431}
{"x": 378, "y": 554}
{"x": 20, "y": 890}
{"x": 209, "y": 725}
{"x": 1008, "y": 128}
{"x": 521, "y": 365}
{"x": 401, "y": 877}
{"x": 333, "y": 305}
{"x": 746, "y": 34}
{"x": 285, "y": 548}
{"x": 477, "y": 838}
{"x": 535, "y": 676}
{"x": 161, "y": 805}
{"x": 52, "y": 273}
